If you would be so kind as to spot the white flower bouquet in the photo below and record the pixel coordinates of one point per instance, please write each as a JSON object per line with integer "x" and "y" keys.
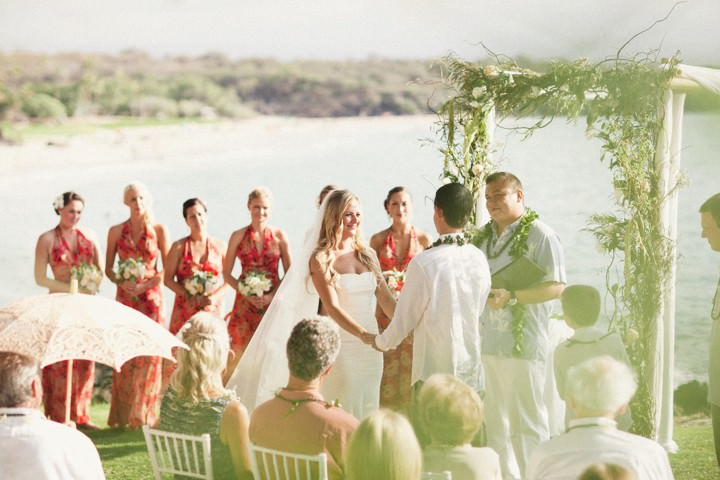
{"x": 395, "y": 280}
{"x": 254, "y": 284}
{"x": 204, "y": 281}
{"x": 131, "y": 269}
{"x": 88, "y": 276}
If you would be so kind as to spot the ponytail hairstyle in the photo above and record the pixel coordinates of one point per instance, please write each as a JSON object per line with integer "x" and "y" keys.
{"x": 140, "y": 188}
{"x": 199, "y": 370}
{"x": 64, "y": 198}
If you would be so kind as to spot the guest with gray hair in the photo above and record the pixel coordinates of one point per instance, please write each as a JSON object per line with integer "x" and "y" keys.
{"x": 598, "y": 390}
{"x": 30, "y": 445}
{"x": 298, "y": 419}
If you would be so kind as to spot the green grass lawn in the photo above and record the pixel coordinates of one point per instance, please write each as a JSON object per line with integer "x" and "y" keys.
{"x": 125, "y": 457}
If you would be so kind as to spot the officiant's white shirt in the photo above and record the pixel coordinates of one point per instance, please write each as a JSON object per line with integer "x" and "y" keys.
{"x": 444, "y": 294}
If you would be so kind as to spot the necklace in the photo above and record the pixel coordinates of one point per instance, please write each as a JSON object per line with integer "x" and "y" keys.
{"x": 294, "y": 404}
{"x": 463, "y": 239}
{"x": 518, "y": 239}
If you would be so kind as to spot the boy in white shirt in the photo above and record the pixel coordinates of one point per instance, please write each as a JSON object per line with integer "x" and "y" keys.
{"x": 581, "y": 308}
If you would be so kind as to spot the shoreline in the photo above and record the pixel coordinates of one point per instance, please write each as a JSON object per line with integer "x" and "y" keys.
{"x": 158, "y": 143}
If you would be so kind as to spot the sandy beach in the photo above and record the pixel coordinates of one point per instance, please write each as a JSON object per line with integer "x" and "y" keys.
{"x": 162, "y": 143}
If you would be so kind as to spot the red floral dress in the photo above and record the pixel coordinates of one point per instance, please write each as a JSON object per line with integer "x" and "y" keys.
{"x": 135, "y": 389}
{"x": 244, "y": 317}
{"x": 397, "y": 369}
{"x": 185, "y": 305}
{"x": 54, "y": 378}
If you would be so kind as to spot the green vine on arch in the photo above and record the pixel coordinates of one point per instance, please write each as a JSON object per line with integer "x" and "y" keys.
{"x": 621, "y": 100}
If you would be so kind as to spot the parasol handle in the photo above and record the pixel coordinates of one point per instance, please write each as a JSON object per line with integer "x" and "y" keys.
{"x": 68, "y": 381}
{"x": 68, "y": 392}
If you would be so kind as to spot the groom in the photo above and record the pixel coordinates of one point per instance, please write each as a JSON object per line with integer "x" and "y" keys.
{"x": 445, "y": 290}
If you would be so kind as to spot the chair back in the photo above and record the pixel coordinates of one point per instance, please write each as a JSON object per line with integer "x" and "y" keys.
{"x": 179, "y": 454}
{"x": 444, "y": 475}
{"x": 269, "y": 464}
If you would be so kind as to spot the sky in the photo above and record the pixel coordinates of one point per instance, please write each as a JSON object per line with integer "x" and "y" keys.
{"x": 344, "y": 29}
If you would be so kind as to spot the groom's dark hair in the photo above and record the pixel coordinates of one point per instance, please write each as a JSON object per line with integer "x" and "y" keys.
{"x": 456, "y": 202}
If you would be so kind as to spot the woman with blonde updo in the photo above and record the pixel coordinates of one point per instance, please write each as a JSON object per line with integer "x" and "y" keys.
{"x": 64, "y": 248}
{"x": 138, "y": 243}
{"x": 383, "y": 446}
{"x": 395, "y": 247}
{"x": 260, "y": 248}
{"x": 196, "y": 401}
{"x": 346, "y": 275}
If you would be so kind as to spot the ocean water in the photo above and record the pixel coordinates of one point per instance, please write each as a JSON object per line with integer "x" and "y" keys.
{"x": 565, "y": 182}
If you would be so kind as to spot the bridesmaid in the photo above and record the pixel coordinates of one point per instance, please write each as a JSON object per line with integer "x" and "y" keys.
{"x": 62, "y": 248}
{"x": 135, "y": 389}
{"x": 197, "y": 252}
{"x": 259, "y": 247}
{"x": 395, "y": 247}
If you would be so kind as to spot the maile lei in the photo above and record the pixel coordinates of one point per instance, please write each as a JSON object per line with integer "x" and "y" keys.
{"x": 518, "y": 247}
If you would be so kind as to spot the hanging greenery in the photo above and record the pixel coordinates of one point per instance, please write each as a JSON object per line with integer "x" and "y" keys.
{"x": 621, "y": 100}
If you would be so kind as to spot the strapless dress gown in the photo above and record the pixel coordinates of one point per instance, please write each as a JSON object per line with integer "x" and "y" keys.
{"x": 354, "y": 380}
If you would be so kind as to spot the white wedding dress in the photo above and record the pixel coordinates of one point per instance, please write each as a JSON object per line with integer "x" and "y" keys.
{"x": 354, "y": 379}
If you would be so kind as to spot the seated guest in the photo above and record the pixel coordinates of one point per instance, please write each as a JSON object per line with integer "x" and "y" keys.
{"x": 384, "y": 447}
{"x": 298, "y": 419}
{"x": 606, "y": 471}
{"x": 581, "y": 308}
{"x": 196, "y": 401}
{"x": 452, "y": 413}
{"x": 30, "y": 445}
{"x": 597, "y": 391}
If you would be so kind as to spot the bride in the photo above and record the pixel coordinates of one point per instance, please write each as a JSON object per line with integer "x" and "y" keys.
{"x": 338, "y": 268}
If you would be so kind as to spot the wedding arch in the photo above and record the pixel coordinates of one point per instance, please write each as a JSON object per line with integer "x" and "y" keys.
{"x": 635, "y": 107}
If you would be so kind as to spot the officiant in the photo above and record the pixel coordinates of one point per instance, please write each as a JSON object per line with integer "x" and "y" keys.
{"x": 514, "y": 327}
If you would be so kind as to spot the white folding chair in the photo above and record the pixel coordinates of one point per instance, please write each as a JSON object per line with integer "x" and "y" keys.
{"x": 269, "y": 464}
{"x": 179, "y": 454}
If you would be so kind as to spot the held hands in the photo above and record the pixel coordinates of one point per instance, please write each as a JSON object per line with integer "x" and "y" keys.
{"x": 369, "y": 339}
{"x": 499, "y": 297}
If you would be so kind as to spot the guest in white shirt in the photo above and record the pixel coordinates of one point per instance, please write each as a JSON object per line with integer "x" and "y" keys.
{"x": 31, "y": 446}
{"x": 445, "y": 290}
{"x": 597, "y": 391}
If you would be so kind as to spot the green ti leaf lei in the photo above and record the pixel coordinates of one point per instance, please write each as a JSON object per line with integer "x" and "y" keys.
{"x": 518, "y": 248}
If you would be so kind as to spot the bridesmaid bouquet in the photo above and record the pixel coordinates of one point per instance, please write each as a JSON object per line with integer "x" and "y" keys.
{"x": 88, "y": 276}
{"x": 131, "y": 269}
{"x": 203, "y": 281}
{"x": 395, "y": 280}
{"x": 254, "y": 284}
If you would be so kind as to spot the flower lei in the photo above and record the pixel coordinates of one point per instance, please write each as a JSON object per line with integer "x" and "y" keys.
{"x": 459, "y": 240}
{"x": 296, "y": 403}
{"x": 518, "y": 247}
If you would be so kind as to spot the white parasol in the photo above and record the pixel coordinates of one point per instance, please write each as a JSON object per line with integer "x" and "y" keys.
{"x": 63, "y": 326}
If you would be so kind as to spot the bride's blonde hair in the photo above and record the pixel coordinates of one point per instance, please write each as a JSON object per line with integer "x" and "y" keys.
{"x": 331, "y": 234}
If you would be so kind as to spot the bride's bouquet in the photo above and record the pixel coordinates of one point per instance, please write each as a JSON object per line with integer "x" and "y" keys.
{"x": 203, "y": 281}
{"x": 395, "y": 280}
{"x": 254, "y": 284}
{"x": 88, "y": 276}
{"x": 131, "y": 269}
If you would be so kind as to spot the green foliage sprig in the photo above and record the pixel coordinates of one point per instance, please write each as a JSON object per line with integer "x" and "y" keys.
{"x": 622, "y": 102}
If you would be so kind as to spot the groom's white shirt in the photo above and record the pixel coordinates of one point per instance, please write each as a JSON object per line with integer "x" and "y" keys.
{"x": 444, "y": 294}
